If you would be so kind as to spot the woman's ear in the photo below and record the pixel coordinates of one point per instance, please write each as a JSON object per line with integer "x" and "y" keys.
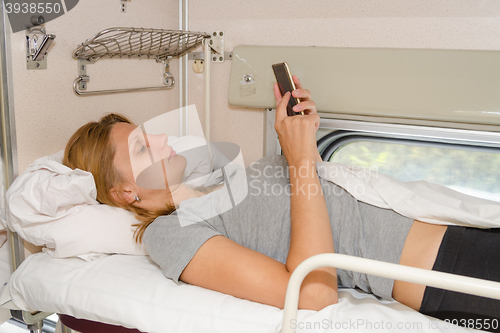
{"x": 122, "y": 195}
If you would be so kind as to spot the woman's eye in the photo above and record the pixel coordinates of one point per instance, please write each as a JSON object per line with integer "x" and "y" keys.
{"x": 142, "y": 148}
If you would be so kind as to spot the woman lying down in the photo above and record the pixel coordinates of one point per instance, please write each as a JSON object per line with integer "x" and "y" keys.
{"x": 250, "y": 250}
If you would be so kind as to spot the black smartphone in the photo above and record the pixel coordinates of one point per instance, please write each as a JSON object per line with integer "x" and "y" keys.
{"x": 285, "y": 83}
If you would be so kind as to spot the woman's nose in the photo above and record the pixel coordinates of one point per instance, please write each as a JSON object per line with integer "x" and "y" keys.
{"x": 158, "y": 141}
{"x": 158, "y": 146}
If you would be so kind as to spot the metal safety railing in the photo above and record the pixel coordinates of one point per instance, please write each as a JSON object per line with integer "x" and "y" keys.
{"x": 426, "y": 277}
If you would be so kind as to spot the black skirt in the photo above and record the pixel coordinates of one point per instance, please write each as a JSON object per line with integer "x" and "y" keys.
{"x": 469, "y": 252}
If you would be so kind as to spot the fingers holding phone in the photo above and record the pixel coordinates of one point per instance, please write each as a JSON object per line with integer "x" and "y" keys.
{"x": 281, "y": 111}
{"x": 297, "y": 135}
{"x": 306, "y": 104}
{"x": 300, "y": 101}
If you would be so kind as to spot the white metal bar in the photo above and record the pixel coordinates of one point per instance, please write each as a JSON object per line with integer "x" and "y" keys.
{"x": 183, "y": 72}
{"x": 8, "y": 142}
{"x": 79, "y": 92}
{"x": 208, "y": 60}
{"x": 374, "y": 267}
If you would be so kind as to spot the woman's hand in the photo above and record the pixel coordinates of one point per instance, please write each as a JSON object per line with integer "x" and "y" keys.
{"x": 306, "y": 104}
{"x": 297, "y": 134}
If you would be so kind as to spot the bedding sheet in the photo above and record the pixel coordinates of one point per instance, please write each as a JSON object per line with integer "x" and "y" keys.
{"x": 419, "y": 200}
{"x": 131, "y": 291}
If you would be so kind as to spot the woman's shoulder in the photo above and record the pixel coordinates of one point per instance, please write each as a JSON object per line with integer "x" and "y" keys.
{"x": 171, "y": 245}
{"x": 170, "y": 226}
{"x": 160, "y": 222}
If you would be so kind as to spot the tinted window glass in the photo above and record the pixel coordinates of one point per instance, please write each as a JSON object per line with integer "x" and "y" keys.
{"x": 472, "y": 172}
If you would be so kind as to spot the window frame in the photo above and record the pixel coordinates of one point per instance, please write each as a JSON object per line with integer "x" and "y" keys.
{"x": 346, "y": 137}
{"x": 345, "y": 131}
{"x": 335, "y": 134}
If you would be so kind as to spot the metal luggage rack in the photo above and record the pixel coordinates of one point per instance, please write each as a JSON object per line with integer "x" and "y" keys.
{"x": 140, "y": 43}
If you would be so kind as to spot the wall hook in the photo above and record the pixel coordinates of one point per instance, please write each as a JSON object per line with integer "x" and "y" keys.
{"x": 37, "y": 45}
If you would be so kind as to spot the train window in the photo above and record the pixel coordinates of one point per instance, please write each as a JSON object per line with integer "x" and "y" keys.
{"x": 468, "y": 169}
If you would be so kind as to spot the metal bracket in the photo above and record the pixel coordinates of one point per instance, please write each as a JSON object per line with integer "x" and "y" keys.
{"x": 216, "y": 43}
{"x": 37, "y": 45}
{"x": 201, "y": 56}
{"x": 81, "y": 83}
{"x": 123, "y": 6}
{"x": 33, "y": 320}
{"x": 168, "y": 78}
{"x": 29, "y": 318}
{"x": 82, "y": 73}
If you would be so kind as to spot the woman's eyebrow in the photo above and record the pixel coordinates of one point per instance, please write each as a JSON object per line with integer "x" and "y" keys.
{"x": 138, "y": 134}
{"x": 133, "y": 141}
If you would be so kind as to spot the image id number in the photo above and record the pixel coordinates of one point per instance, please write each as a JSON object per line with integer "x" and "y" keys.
{"x": 32, "y": 8}
{"x": 478, "y": 324}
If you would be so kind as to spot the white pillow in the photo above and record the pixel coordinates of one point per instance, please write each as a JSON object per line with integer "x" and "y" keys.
{"x": 54, "y": 206}
{"x": 51, "y": 205}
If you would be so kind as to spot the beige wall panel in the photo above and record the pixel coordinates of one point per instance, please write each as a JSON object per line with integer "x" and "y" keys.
{"x": 427, "y": 24}
{"x": 443, "y": 85}
{"x": 47, "y": 112}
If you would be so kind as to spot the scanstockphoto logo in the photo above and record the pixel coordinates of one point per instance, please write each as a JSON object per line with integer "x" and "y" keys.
{"x": 25, "y": 14}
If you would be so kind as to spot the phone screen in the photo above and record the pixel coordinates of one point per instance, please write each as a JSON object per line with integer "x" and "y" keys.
{"x": 285, "y": 83}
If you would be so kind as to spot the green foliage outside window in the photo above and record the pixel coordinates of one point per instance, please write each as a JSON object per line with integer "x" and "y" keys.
{"x": 464, "y": 170}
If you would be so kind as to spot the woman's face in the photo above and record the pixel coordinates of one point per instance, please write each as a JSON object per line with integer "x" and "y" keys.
{"x": 146, "y": 159}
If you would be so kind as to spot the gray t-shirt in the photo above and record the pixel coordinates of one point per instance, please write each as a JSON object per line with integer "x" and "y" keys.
{"x": 261, "y": 222}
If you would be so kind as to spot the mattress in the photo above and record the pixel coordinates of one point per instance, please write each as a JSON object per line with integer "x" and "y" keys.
{"x": 131, "y": 291}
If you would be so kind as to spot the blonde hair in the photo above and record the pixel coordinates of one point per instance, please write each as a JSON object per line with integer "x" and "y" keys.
{"x": 90, "y": 149}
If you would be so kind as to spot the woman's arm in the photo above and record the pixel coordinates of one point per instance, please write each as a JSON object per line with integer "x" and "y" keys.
{"x": 225, "y": 266}
{"x": 311, "y": 232}
{"x": 230, "y": 268}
